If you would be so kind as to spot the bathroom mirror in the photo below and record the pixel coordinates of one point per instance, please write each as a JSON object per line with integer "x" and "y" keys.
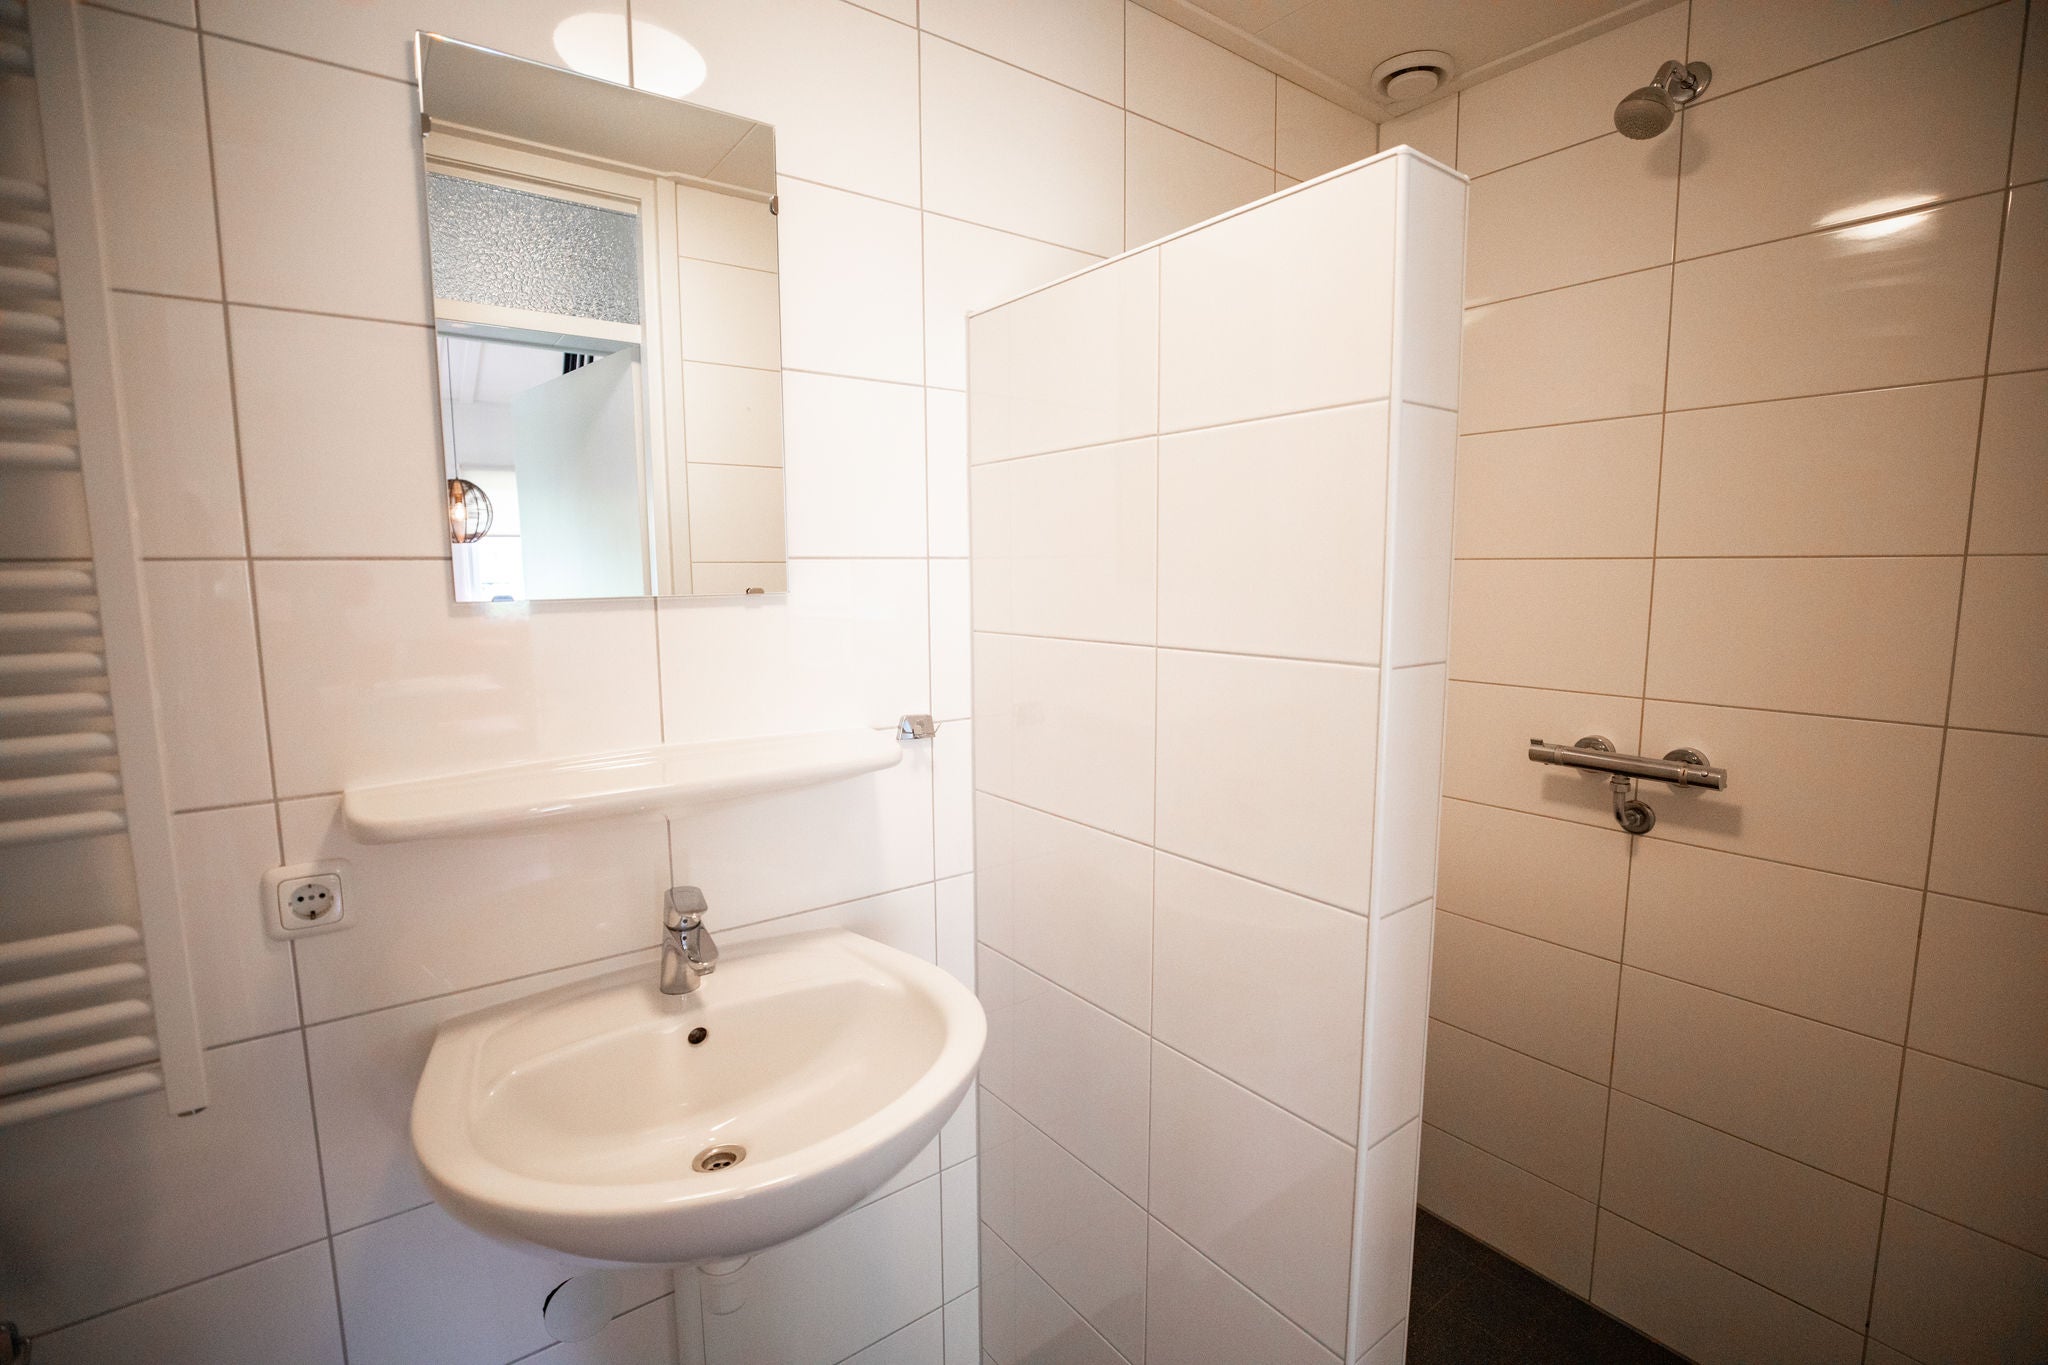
{"x": 607, "y": 324}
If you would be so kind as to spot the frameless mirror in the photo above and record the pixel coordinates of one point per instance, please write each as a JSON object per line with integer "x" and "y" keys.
{"x": 607, "y": 321}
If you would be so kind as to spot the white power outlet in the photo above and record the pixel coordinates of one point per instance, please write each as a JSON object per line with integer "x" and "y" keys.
{"x": 305, "y": 898}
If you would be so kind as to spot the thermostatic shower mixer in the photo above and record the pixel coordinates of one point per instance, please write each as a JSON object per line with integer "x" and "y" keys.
{"x": 1680, "y": 768}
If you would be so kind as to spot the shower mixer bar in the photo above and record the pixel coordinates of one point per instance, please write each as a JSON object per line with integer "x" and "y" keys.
{"x": 1595, "y": 753}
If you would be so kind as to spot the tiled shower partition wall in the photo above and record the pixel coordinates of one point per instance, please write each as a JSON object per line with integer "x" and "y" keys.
{"x": 1211, "y": 510}
{"x": 259, "y": 167}
{"x": 1733, "y": 476}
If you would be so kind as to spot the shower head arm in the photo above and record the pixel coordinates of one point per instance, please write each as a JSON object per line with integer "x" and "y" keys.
{"x": 1682, "y": 81}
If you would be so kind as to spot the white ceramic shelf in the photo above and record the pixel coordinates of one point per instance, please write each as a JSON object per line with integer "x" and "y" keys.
{"x": 558, "y": 791}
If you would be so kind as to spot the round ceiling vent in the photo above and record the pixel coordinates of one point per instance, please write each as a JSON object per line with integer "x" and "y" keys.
{"x": 1411, "y": 76}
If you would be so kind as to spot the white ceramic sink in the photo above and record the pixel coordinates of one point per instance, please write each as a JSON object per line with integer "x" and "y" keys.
{"x": 571, "y": 1119}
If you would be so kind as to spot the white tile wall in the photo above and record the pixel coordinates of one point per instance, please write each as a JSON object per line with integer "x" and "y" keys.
{"x": 926, "y": 174}
{"x": 1836, "y": 514}
{"x": 1203, "y": 520}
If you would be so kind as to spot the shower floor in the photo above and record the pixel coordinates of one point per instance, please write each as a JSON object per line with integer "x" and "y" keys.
{"x": 1473, "y": 1306}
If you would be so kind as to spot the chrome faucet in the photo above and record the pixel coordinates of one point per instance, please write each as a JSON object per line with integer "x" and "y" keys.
{"x": 688, "y": 952}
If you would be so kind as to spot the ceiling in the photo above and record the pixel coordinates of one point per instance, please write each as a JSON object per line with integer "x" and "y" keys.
{"x": 1332, "y": 46}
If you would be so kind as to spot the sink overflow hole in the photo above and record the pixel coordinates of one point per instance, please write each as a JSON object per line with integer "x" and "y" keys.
{"x": 718, "y": 1158}
{"x": 698, "y": 1035}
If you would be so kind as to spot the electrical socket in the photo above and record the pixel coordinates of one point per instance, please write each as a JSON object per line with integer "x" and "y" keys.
{"x": 305, "y": 898}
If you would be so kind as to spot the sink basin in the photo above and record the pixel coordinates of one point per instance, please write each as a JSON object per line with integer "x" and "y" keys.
{"x": 584, "y": 1120}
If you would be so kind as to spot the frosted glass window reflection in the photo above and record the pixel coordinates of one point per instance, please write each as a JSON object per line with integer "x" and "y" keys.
{"x": 516, "y": 249}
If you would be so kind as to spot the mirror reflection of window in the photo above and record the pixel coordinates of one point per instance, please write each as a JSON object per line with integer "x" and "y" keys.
{"x": 607, "y": 307}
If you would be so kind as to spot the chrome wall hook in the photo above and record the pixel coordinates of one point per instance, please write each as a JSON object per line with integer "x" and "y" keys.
{"x": 1679, "y": 768}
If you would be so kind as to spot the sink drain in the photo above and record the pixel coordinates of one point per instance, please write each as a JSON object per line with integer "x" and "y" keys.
{"x": 718, "y": 1158}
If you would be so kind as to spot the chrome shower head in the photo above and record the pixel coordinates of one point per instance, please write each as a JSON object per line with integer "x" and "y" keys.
{"x": 1647, "y": 112}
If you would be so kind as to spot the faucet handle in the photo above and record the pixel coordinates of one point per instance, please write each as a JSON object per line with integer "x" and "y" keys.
{"x": 685, "y": 907}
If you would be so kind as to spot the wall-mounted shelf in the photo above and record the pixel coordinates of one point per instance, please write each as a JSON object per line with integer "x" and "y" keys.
{"x": 558, "y": 791}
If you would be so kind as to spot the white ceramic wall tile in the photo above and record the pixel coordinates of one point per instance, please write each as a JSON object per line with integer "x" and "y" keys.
{"x": 202, "y": 636}
{"x": 851, "y": 275}
{"x": 1281, "y": 804}
{"x": 1754, "y": 40}
{"x": 1198, "y": 1315}
{"x": 1781, "y": 759}
{"x": 1549, "y": 1002}
{"x": 1282, "y": 1225}
{"x": 1383, "y": 1237}
{"x": 1422, "y": 504}
{"x": 1976, "y": 995}
{"x": 962, "y": 1344}
{"x": 427, "y": 686}
{"x": 731, "y": 315}
{"x": 147, "y": 114}
{"x": 733, "y": 414}
{"x": 375, "y": 38}
{"x": 1023, "y": 1320}
{"x": 945, "y": 476}
{"x": 1793, "y": 1229}
{"x": 1035, "y": 1031}
{"x": 736, "y": 522}
{"x": 1527, "y": 1218}
{"x": 1605, "y": 471}
{"x": 1987, "y": 841}
{"x": 1282, "y": 308}
{"x": 855, "y": 456}
{"x": 169, "y": 11}
{"x": 725, "y": 228}
{"x": 1431, "y": 130}
{"x": 921, "y": 1343}
{"x": 79, "y": 1179}
{"x": 243, "y": 978}
{"x": 642, "y": 1334}
{"x": 952, "y": 639}
{"x": 787, "y": 851}
{"x": 1075, "y": 42}
{"x": 2019, "y": 341}
{"x": 1577, "y": 625}
{"x": 1251, "y": 515}
{"x": 1600, "y": 208}
{"x": 1486, "y": 741}
{"x": 1187, "y": 82}
{"x": 960, "y": 1226}
{"x": 1299, "y": 965}
{"x": 1550, "y": 879}
{"x": 274, "y": 1310}
{"x": 2001, "y": 672}
{"x": 502, "y": 907}
{"x": 1543, "y": 106}
{"x": 1805, "y": 1090}
{"x": 1068, "y": 367}
{"x": 1068, "y": 543}
{"x": 861, "y": 1277}
{"x": 1823, "y": 614}
{"x": 1966, "y": 1149}
{"x": 1885, "y": 471}
{"x": 364, "y": 1069}
{"x": 847, "y": 646}
{"x": 2011, "y": 505}
{"x": 1011, "y": 150}
{"x": 1411, "y": 780}
{"x": 1709, "y": 1312}
{"x": 839, "y": 84}
{"x": 1173, "y": 181}
{"x": 171, "y": 356}
{"x": 953, "y": 800}
{"x": 1831, "y": 948}
{"x": 1068, "y": 728}
{"x": 1549, "y": 1122}
{"x": 1083, "y": 1238}
{"x": 1314, "y": 137}
{"x": 1397, "y": 1025}
{"x": 1901, "y": 301}
{"x": 319, "y": 181}
{"x": 309, "y": 440}
{"x": 1759, "y": 167}
{"x": 967, "y": 267}
{"x": 1571, "y": 355}
{"x": 1947, "y": 1293}
{"x": 2030, "y": 129}
{"x": 1071, "y": 903}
